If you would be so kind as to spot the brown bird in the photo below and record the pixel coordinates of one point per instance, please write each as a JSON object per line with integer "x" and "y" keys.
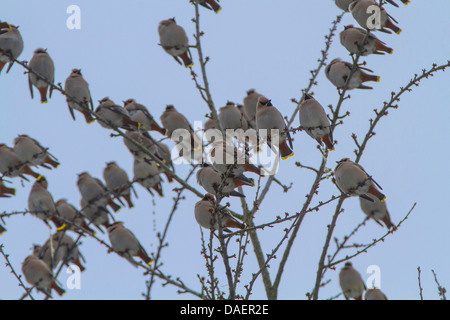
{"x": 351, "y": 282}
{"x": 174, "y": 41}
{"x": 31, "y": 151}
{"x": 41, "y": 64}
{"x": 94, "y": 192}
{"x": 363, "y": 14}
{"x": 376, "y": 210}
{"x": 352, "y": 39}
{"x": 117, "y": 181}
{"x": 147, "y": 174}
{"x": 70, "y": 215}
{"x": 78, "y": 95}
{"x": 207, "y": 217}
{"x": 338, "y": 71}
{"x": 113, "y": 115}
{"x": 140, "y": 114}
{"x": 210, "y": 4}
{"x": 12, "y": 166}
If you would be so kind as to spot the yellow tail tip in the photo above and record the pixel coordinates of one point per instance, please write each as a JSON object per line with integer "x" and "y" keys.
{"x": 332, "y": 149}
{"x": 392, "y": 51}
{"x": 139, "y": 125}
{"x": 150, "y": 262}
{"x": 253, "y": 182}
{"x": 384, "y": 198}
{"x": 44, "y": 102}
{"x": 3, "y": 231}
{"x": 288, "y": 156}
{"x": 39, "y": 177}
{"x": 218, "y": 9}
{"x": 89, "y": 122}
{"x": 14, "y": 191}
{"x": 62, "y": 227}
{"x": 378, "y": 78}
{"x": 166, "y": 133}
{"x": 406, "y": 2}
{"x": 399, "y": 31}
{"x": 189, "y": 65}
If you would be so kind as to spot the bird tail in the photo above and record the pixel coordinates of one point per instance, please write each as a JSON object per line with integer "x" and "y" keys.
{"x": 27, "y": 170}
{"x": 390, "y": 25}
{"x": 328, "y": 142}
{"x": 374, "y": 191}
{"x": 113, "y": 205}
{"x": 251, "y": 168}
{"x": 379, "y": 46}
{"x": 214, "y": 5}
{"x": 51, "y": 162}
{"x": 57, "y": 288}
{"x": 5, "y": 190}
{"x": 186, "y": 59}
{"x": 43, "y": 93}
{"x": 2, "y": 64}
{"x": 88, "y": 117}
{"x": 155, "y": 127}
{"x": 127, "y": 198}
{"x": 387, "y": 221}
{"x": 368, "y": 77}
{"x": 2, "y": 229}
{"x": 285, "y": 151}
{"x": 144, "y": 256}
{"x": 232, "y": 223}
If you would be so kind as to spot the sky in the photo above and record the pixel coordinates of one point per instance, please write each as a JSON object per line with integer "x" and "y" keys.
{"x": 256, "y": 44}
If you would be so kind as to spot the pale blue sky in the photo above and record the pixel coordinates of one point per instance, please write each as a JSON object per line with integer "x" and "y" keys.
{"x": 252, "y": 44}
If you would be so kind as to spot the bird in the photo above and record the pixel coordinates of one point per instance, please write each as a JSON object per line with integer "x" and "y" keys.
{"x": 32, "y": 152}
{"x": 41, "y": 203}
{"x": 125, "y": 243}
{"x": 206, "y": 215}
{"x": 376, "y": 210}
{"x": 69, "y": 214}
{"x": 78, "y": 95}
{"x": 174, "y": 41}
{"x": 352, "y": 179}
{"x": 140, "y": 114}
{"x": 117, "y": 181}
{"x": 374, "y": 294}
{"x": 93, "y": 191}
{"x": 250, "y": 102}
{"x": 147, "y": 174}
{"x": 268, "y": 118}
{"x": 60, "y": 248}
{"x": 96, "y": 214}
{"x": 362, "y": 12}
{"x": 343, "y": 4}
{"x": 112, "y": 115}
{"x": 11, "y": 45}
{"x": 338, "y": 71}
{"x": 352, "y": 39}
{"x": 210, "y": 4}
{"x": 231, "y": 118}
{"x": 12, "y": 166}
{"x": 351, "y": 282}
{"x": 39, "y": 275}
{"x": 43, "y": 65}
{"x": 173, "y": 120}
{"x": 216, "y": 183}
{"x": 163, "y": 153}
{"x": 314, "y": 121}
{"x": 143, "y": 138}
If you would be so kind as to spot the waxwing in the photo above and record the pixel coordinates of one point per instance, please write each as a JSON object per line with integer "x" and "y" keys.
{"x": 125, "y": 243}
{"x": 78, "y": 95}
{"x": 162, "y": 152}
{"x": 250, "y": 102}
{"x": 117, "y": 182}
{"x": 210, "y": 124}
{"x": 42, "y": 64}
{"x": 352, "y": 39}
{"x": 98, "y": 215}
{"x": 146, "y": 173}
{"x": 142, "y": 138}
{"x": 352, "y": 179}
{"x": 140, "y": 114}
{"x": 375, "y": 294}
{"x": 338, "y": 71}
{"x": 267, "y": 118}
{"x": 315, "y": 122}
{"x": 210, "y": 4}
{"x": 32, "y": 152}
{"x": 362, "y": 12}
{"x": 351, "y": 282}
{"x": 216, "y": 183}
{"x": 376, "y": 210}
{"x": 41, "y": 203}
{"x": 71, "y": 216}
{"x": 172, "y": 120}
{"x": 11, "y": 44}
{"x": 63, "y": 249}
{"x": 206, "y": 216}
{"x": 114, "y": 115}
{"x": 93, "y": 191}
{"x": 231, "y": 118}
{"x": 39, "y": 275}
{"x": 343, "y": 4}
{"x": 12, "y": 166}
{"x": 174, "y": 41}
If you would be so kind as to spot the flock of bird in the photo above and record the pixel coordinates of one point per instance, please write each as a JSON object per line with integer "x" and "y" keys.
{"x": 217, "y": 178}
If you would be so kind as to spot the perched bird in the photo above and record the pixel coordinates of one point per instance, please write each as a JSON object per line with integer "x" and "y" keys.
{"x": 42, "y": 64}
{"x": 125, "y": 243}
{"x": 174, "y": 41}
{"x": 96, "y": 214}
{"x": 67, "y": 212}
{"x": 352, "y": 39}
{"x": 338, "y": 71}
{"x": 315, "y": 122}
{"x": 142, "y": 138}
{"x": 376, "y": 210}
{"x": 140, "y": 114}
{"x": 362, "y": 13}
{"x": 12, "y": 166}
{"x": 351, "y": 282}
{"x": 268, "y": 118}
{"x": 117, "y": 181}
{"x": 207, "y": 217}
{"x": 173, "y": 120}
{"x": 210, "y": 4}
{"x": 78, "y": 95}
{"x": 343, "y": 4}
{"x": 352, "y": 179}
{"x": 11, "y": 45}
{"x": 146, "y": 173}
{"x": 112, "y": 115}
{"x": 94, "y": 192}
{"x": 62, "y": 249}
{"x": 41, "y": 203}
{"x": 163, "y": 153}
{"x": 375, "y": 294}
{"x": 5, "y": 191}
{"x": 210, "y": 124}
{"x": 250, "y": 102}
{"x": 231, "y": 118}
{"x": 31, "y": 151}
{"x": 216, "y": 183}
{"x": 39, "y": 275}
